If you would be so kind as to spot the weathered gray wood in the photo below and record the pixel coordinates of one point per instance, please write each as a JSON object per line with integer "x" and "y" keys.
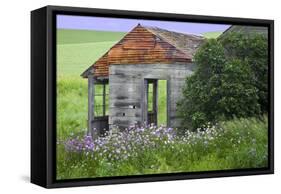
{"x": 126, "y": 103}
{"x": 128, "y": 79}
{"x": 119, "y": 88}
{"x": 103, "y": 99}
{"x": 145, "y": 102}
{"x": 126, "y": 120}
{"x": 91, "y": 91}
{"x": 155, "y": 100}
{"x": 168, "y": 101}
{"x": 145, "y": 67}
{"x": 126, "y": 113}
{"x": 128, "y": 87}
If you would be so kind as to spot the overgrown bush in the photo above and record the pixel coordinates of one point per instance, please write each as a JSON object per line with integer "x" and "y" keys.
{"x": 230, "y": 81}
{"x": 252, "y": 49}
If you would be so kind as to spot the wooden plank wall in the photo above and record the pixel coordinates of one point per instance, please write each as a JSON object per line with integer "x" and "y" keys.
{"x": 127, "y": 86}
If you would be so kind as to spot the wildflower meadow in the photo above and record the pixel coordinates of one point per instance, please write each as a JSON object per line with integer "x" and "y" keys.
{"x": 237, "y": 144}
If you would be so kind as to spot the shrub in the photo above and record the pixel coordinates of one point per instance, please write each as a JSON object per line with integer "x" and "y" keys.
{"x": 224, "y": 86}
{"x": 252, "y": 49}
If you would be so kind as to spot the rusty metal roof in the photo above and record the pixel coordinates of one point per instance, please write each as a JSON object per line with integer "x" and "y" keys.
{"x": 147, "y": 45}
{"x": 188, "y": 43}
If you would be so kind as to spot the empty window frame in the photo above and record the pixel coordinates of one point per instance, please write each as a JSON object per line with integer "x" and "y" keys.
{"x": 101, "y": 100}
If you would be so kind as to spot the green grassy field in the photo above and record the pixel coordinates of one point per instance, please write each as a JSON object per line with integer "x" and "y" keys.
{"x": 73, "y": 59}
{"x": 67, "y": 36}
{"x": 212, "y": 34}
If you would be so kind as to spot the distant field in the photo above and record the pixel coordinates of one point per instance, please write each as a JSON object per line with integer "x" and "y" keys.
{"x": 73, "y": 59}
{"x": 67, "y": 36}
{"x": 212, "y": 34}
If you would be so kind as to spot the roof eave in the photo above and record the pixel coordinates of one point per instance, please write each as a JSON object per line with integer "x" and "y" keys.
{"x": 88, "y": 71}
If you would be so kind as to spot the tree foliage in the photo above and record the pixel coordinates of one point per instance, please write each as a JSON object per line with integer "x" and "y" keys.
{"x": 230, "y": 81}
{"x": 252, "y": 49}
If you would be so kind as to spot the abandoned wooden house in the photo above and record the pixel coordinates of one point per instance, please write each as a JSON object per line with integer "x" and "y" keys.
{"x": 129, "y": 73}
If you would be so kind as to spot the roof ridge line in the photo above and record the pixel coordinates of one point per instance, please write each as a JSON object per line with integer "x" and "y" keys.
{"x": 162, "y": 29}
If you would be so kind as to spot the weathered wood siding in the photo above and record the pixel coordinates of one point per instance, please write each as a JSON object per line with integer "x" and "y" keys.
{"x": 127, "y": 91}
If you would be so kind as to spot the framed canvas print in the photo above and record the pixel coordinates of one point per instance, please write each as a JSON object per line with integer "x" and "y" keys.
{"x": 126, "y": 96}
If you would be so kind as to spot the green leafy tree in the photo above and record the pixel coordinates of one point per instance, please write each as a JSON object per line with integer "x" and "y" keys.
{"x": 252, "y": 49}
{"x": 221, "y": 88}
{"x": 239, "y": 96}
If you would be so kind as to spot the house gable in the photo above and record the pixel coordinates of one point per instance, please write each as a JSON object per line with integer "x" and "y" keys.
{"x": 146, "y": 45}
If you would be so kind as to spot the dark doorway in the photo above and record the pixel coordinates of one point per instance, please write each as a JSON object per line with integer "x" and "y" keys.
{"x": 156, "y": 102}
{"x": 152, "y": 92}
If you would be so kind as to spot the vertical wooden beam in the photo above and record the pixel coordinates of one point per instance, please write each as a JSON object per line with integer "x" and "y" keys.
{"x": 168, "y": 101}
{"x": 145, "y": 100}
{"x": 103, "y": 98}
{"x": 91, "y": 101}
{"x": 155, "y": 101}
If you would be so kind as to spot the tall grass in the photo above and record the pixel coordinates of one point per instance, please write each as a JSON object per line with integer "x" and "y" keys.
{"x": 237, "y": 144}
{"x": 71, "y": 106}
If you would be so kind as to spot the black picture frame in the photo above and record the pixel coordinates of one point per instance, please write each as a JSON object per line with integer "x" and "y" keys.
{"x": 43, "y": 96}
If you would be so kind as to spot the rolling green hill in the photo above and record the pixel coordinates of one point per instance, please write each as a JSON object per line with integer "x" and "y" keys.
{"x": 67, "y": 36}
{"x": 74, "y": 59}
{"x": 212, "y": 34}
{"x": 78, "y": 49}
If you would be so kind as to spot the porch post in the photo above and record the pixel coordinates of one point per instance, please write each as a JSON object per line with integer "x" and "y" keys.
{"x": 103, "y": 99}
{"x": 91, "y": 93}
{"x": 168, "y": 101}
{"x": 144, "y": 100}
{"x": 155, "y": 101}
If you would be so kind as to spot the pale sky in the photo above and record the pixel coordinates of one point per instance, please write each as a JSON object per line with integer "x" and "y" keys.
{"x": 126, "y": 25}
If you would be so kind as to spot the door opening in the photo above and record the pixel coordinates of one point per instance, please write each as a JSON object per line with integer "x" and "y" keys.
{"x": 152, "y": 102}
{"x": 162, "y": 116}
{"x": 156, "y": 101}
